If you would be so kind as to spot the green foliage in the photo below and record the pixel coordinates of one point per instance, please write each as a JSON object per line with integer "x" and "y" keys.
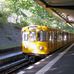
{"x": 3, "y": 18}
{"x": 39, "y": 15}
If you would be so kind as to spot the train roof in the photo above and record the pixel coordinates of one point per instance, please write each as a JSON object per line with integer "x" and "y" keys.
{"x": 42, "y": 27}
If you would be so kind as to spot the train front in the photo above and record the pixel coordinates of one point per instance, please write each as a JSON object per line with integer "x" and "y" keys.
{"x": 35, "y": 40}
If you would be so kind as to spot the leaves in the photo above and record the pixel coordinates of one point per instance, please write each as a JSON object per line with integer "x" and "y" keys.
{"x": 28, "y": 12}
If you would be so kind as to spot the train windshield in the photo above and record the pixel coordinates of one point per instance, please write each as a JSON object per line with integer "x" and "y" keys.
{"x": 29, "y": 36}
{"x": 32, "y": 36}
{"x": 25, "y": 36}
{"x": 42, "y": 36}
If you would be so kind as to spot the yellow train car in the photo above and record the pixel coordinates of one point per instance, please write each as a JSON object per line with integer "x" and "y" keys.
{"x": 35, "y": 40}
{"x": 41, "y": 40}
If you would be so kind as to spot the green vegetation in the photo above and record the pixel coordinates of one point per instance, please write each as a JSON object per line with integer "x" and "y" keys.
{"x": 28, "y": 12}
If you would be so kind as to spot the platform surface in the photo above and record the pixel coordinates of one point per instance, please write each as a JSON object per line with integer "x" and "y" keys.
{"x": 60, "y": 62}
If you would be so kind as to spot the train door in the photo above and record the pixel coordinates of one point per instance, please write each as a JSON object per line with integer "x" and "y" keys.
{"x": 58, "y": 39}
{"x": 61, "y": 38}
{"x": 63, "y": 42}
{"x": 69, "y": 37}
{"x": 50, "y": 41}
{"x": 55, "y": 40}
{"x": 65, "y": 38}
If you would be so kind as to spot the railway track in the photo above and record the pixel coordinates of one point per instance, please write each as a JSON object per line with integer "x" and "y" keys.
{"x": 7, "y": 69}
{"x": 10, "y": 58}
{"x": 13, "y": 67}
{"x": 12, "y": 61}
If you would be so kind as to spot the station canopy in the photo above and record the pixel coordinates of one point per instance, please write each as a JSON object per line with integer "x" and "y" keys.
{"x": 64, "y": 8}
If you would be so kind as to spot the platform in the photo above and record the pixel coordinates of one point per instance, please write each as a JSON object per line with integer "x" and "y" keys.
{"x": 60, "y": 62}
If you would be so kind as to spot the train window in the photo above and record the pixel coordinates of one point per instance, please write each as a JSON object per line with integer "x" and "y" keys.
{"x": 55, "y": 35}
{"x": 32, "y": 36}
{"x": 25, "y": 36}
{"x": 65, "y": 37}
{"x": 42, "y": 36}
{"x": 50, "y": 36}
{"x": 59, "y": 37}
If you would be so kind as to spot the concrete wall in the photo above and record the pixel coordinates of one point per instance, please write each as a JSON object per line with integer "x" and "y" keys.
{"x": 10, "y": 36}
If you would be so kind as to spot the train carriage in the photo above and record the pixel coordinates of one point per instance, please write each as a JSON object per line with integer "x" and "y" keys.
{"x": 41, "y": 40}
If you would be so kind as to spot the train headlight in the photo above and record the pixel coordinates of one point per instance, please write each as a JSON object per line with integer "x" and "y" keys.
{"x": 26, "y": 46}
{"x": 41, "y": 47}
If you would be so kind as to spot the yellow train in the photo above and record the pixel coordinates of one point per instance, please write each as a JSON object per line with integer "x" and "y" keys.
{"x": 42, "y": 40}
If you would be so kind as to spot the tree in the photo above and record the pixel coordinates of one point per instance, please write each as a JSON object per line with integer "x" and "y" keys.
{"x": 39, "y": 15}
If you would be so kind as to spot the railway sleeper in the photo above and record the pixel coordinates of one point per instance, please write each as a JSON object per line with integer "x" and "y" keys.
{"x": 32, "y": 59}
